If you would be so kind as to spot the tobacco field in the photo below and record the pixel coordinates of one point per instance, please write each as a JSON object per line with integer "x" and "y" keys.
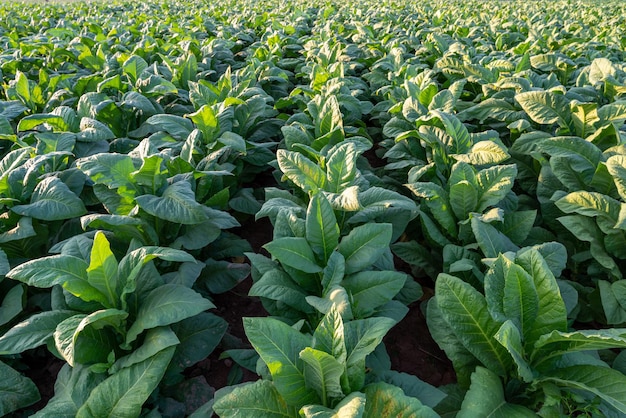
{"x": 261, "y": 208}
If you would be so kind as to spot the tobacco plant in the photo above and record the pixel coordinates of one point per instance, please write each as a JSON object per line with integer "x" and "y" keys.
{"x": 512, "y": 347}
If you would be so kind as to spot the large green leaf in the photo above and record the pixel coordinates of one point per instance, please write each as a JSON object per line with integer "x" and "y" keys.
{"x": 111, "y": 169}
{"x": 294, "y": 252}
{"x": 546, "y": 107}
{"x": 206, "y": 120}
{"x": 484, "y": 153}
{"x": 177, "y": 204}
{"x": 372, "y": 289}
{"x": 510, "y": 337}
{"x": 123, "y": 394}
{"x": 30, "y": 122}
{"x": 33, "y": 332}
{"x": 322, "y": 373}
{"x": 176, "y": 126}
{"x": 279, "y": 346}
{"x": 341, "y": 166}
{"x": 511, "y": 295}
{"x": 462, "y": 359}
{"x": 466, "y": 312}
{"x": 494, "y": 184}
{"x": 460, "y": 139}
{"x": 413, "y": 386}
{"x": 16, "y": 391}
{"x": 329, "y": 336}
{"x": 258, "y": 399}
{"x": 438, "y": 201}
{"x": 590, "y": 204}
{"x": 573, "y": 147}
{"x": 552, "y": 313}
{"x": 102, "y": 270}
{"x": 557, "y": 343}
{"x": 71, "y": 390}
{"x": 88, "y": 339}
{"x": 617, "y": 167}
{"x": 362, "y": 336}
{"x": 167, "y": 305}
{"x": 608, "y": 384}
{"x": 322, "y": 231}
{"x": 385, "y": 400}
{"x": 463, "y": 199}
{"x": 13, "y": 303}
{"x": 199, "y": 336}
{"x": 520, "y": 302}
{"x": 65, "y": 270}
{"x": 307, "y": 175}
{"x": 352, "y": 406}
{"x": 279, "y": 286}
{"x": 52, "y": 200}
{"x": 364, "y": 245}
{"x": 485, "y": 398}
{"x": 491, "y": 241}
{"x": 156, "y": 340}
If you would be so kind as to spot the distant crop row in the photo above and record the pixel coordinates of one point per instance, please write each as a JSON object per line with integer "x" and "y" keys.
{"x": 480, "y": 145}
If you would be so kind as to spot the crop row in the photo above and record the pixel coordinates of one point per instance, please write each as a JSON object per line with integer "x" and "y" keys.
{"x": 472, "y": 149}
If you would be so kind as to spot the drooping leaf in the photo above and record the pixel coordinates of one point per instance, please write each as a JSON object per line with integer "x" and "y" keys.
{"x": 438, "y": 201}
{"x": 557, "y": 343}
{"x": 278, "y": 285}
{"x": 616, "y": 165}
{"x": 13, "y": 303}
{"x": 413, "y": 386}
{"x": 16, "y": 391}
{"x": 484, "y": 153}
{"x": 177, "y": 204}
{"x": 71, "y": 390}
{"x": 114, "y": 170}
{"x": 608, "y": 384}
{"x": 462, "y": 359}
{"x": 491, "y": 241}
{"x": 65, "y": 270}
{"x": 199, "y": 336}
{"x": 52, "y": 200}
{"x": 590, "y": 204}
{"x": 156, "y": 340}
{"x": 32, "y": 332}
